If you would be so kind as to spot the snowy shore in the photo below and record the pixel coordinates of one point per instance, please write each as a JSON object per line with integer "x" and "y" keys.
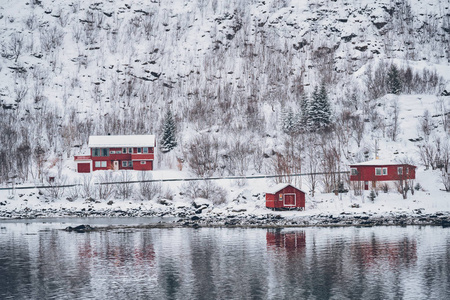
{"x": 342, "y": 210}
{"x": 275, "y": 219}
{"x": 245, "y": 206}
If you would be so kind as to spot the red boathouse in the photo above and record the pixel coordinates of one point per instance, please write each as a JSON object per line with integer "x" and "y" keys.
{"x": 369, "y": 173}
{"x": 118, "y": 152}
{"x": 285, "y": 196}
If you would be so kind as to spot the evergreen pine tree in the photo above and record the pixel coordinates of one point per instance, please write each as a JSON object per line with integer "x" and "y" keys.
{"x": 319, "y": 112}
{"x": 394, "y": 83}
{"x": 168, "y": 141}
{"x": 325, "y": 104}
{"x": 288, "y": 124}
{"x": 304, "y": 106}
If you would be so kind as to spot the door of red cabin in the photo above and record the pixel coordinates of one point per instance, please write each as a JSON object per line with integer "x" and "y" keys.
{"x": 289, "y": 199}
{"x": 116, "y": 165}
{"x": 366, "y": 185}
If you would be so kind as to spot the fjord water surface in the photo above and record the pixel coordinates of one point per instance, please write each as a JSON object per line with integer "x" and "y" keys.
{"x": 40, "y": 261}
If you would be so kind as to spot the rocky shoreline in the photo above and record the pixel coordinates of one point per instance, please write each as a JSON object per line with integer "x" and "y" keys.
{"x": 197, "y": 218}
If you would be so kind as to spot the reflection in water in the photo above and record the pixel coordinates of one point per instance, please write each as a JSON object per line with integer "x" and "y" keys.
{"x": 291, "y": 241}
{"x": 219, "y": 263}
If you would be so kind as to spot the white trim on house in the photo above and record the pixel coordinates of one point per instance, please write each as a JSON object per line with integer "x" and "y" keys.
{"x": 289, "y": 194}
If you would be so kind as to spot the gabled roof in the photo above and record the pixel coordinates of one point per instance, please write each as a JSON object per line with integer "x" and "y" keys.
{"x": 278, "y": 187}
{"x": 378, "y": 162}
{"x": 99, "y": 141}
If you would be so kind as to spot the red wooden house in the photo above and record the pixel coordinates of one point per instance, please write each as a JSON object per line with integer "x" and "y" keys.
{"x": 370, "y": 173}
{"x": 118, "y": 152}
{"x": 285, "y": 196}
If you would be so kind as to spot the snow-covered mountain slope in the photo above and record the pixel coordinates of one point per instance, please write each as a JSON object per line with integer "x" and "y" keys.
{"x": 229, "y": 71}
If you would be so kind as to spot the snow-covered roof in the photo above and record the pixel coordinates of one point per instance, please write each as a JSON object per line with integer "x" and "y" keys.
{"x": 99, "y": 141}
{"x": 278, "y": 187}
{"x": 377, "y": 162}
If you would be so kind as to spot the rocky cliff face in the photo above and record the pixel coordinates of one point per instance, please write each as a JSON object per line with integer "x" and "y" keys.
{"x": 69, "y": 69}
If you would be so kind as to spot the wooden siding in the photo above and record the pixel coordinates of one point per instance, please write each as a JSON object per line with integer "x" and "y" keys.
{"x": 367, "y": 173}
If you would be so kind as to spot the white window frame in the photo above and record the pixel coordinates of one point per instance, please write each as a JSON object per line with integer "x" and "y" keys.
{"x": 289, "y": 194}
{"x": 385, "y": 171}
{"x": 378, "y": 172}
{"x": 103, "y": 164}
{"x": 145, "y": 150}
{"x": 400, "y": 170}
{"x": 124, "y": 150}
{"x": 139, "y": 150}
{"x": 130, "y": 163}
{"x": 124, "y": 164}
{"x": 112, "y": 152}
{"x": 143, "y": 162}
{"x": 354, "y": 171}
{"x": 97, "y": 164}
{"x": 130, "y": 150}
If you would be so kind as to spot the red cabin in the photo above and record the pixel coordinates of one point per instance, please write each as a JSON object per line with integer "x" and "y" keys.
{"x": 118, "y": 152}
{"x": 374, "y": 171}
{"x": 285, "y": 196}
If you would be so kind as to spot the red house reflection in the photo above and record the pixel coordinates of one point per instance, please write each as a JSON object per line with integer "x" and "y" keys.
{"x": 394, "y": 253}
{"x": 290, "y": 241}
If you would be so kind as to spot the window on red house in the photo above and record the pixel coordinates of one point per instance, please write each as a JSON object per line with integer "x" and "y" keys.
{"x": 378, "y": 171}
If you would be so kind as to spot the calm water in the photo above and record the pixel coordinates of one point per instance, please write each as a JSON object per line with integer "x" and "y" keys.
{"x": 38, "y": 261}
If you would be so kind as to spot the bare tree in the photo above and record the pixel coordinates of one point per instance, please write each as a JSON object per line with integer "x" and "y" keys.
{"x": 39, "y": 157}
{"x": 125, "y": 188}
{"x": 55, "y": 185}
{"x": 105, "y": 188}
{"x": 443, "y": 107}
{"x": 394, "y": 125}
{"x": 207, "y": 190}
{"x": 87, "y": 187}
{"x": 427, "y": 152}
{"x": 148, "y": 189}
{"x": 202, "y": 155}
{"x": 51, "y": 38}
{"x": 21, "y": 91}
{"x": 16, "y": 45}
{"x": 358, "y": 128}
{"x": 330, "y": 164}
{"x": 445, "y": 178}
{"x": 425, "y": 125}
{"x": 312, "y": 167}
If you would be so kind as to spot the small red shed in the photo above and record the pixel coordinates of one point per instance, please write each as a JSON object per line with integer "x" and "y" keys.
{"x": 285, "y": 196}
